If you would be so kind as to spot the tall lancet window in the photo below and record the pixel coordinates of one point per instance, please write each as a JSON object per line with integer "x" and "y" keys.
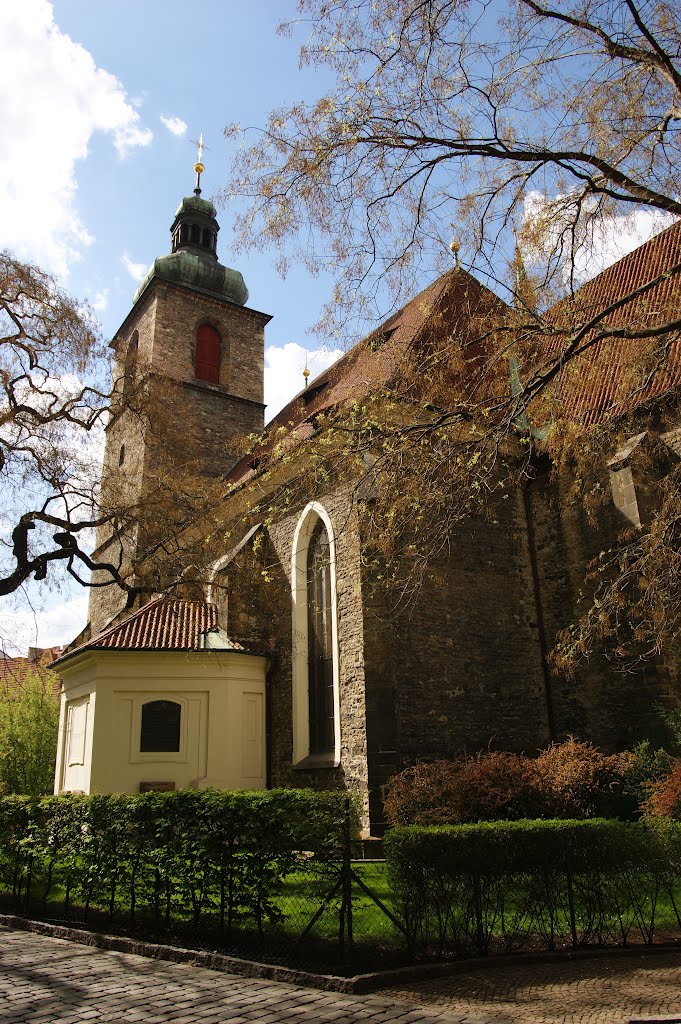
{"x": 320, "y": 642}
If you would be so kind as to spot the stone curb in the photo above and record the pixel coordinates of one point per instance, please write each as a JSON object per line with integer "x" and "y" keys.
{"x": 359, "y": 984}
{"x": 179, "y": 955}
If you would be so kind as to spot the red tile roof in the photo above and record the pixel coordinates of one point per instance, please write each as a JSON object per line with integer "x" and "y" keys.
{"x": 444, "y": 308}
{"x": 164, "y": 624}
{"x": 593, "y": 390}
{"x": 13, "y": 671}
{"x": 587, "y": 392}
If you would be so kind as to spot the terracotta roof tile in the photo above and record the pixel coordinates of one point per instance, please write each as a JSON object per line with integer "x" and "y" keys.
{"x": 164, "y": 624}
{"x": 587, "y": 393}
{"x": 592, "y": 393}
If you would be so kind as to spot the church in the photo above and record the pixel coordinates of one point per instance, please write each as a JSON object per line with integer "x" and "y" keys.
{"x": 288, "y": 663}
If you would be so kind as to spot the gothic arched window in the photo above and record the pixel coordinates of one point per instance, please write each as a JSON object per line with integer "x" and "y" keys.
{"x": 207, "y": 359}
{"x": 160, "y": 731}
{"x": 320, "y": 643}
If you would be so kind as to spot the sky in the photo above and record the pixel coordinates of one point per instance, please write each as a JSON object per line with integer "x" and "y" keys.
{"x": 101, "y": 102}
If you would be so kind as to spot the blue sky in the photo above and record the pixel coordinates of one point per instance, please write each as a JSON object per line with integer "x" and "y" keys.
{"x": 100, "y": 100}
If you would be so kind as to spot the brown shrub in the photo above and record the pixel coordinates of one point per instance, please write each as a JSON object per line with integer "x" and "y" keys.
{"x": 578, "y": 781}
{"x": 665, "y": 795}
{"x": 488, "y": 787}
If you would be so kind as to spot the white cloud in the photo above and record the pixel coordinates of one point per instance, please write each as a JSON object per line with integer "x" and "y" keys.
{"x": 600, "y": 242}
{"x": 175, "y": 125}
{"x": 100, "y": 300}
{"x": 284, "y": 365}
{"x": 53, "y": 98}
{"x": 54, "y": 625}
{"x": 136, "y": 270}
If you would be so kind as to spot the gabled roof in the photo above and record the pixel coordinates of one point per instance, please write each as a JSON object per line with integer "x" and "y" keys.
{"x": 587, "y": 393}
{"x": 164, "y": 624}
{"x": 446, "y": 306}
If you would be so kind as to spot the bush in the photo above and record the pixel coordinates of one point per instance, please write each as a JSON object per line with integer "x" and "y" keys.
{"x": 187, "y": 854}
{"x": 459, "y": 888}
{"x": 567, "y": 780}
{"x": 664, "y": 799}
{"x": 491, "y": 786}
{"x": 577, "y": 780}
{"x": 639, "y": 768}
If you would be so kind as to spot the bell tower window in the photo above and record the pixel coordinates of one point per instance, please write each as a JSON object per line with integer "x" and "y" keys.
{"x": 207, "y": 359}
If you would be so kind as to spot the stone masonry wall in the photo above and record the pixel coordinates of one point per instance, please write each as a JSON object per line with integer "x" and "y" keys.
{"x": 196, "y": 421}
{"x": 460, "y": 669}
{"x": 612, "y": 709}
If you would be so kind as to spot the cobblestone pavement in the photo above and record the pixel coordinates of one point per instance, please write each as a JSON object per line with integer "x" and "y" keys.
{"x": 51, "y": 981}
{"x": 604, "y": 990}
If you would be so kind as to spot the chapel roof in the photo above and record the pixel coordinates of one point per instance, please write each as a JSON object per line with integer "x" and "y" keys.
{"x": 164, "y": 624}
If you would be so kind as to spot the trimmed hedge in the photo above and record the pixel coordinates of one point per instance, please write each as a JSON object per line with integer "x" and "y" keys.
{"x": 187, "y": 855}
{"x": 466, "y": 889}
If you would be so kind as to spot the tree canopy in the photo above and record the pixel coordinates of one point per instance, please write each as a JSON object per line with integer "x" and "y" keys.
{"x": 519, "y": 141}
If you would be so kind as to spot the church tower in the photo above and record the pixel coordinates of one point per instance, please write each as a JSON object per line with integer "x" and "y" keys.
{"x": 188, "y": 381}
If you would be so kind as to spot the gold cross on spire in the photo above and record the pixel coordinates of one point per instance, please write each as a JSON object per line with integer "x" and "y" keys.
{"x": 198, "y": 166}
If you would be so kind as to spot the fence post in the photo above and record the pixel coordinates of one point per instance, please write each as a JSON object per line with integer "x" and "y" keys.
{"x": 345, "y": 923}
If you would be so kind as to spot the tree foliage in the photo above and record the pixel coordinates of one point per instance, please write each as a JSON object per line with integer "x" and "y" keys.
{"x": 29, "y": 720}
{"x": 520, "y": 140}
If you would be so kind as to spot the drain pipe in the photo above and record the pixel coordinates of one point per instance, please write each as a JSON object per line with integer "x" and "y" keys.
{"x": 536, "y": 586}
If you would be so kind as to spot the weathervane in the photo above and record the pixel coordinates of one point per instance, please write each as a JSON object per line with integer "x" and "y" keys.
{"x": 198, "y": 166}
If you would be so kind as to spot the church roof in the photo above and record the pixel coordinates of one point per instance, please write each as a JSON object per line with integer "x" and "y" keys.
{"x": 164, "y": 624}
{"x": 444, "y": 307}
{"x": 591, "y": 393}
{"x": 447, "y": 306}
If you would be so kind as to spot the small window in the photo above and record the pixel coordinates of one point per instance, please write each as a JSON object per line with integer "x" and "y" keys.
{"x": 160, "y": 731}
{"x": 207, "y": 362}
{"x": 121, "y": 455}
{"x": 207, "y": 238}
{"x": 196, "y": 234}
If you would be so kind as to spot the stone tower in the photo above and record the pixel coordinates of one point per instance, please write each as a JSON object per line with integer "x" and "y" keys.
{"x": 188, "y": 375}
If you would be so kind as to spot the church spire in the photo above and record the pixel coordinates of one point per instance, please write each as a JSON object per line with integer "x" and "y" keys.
{"x": 195, "y": 228}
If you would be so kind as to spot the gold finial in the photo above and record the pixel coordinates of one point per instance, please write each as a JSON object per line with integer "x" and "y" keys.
{"x": 198, "y": 166}
{"x": 306, "y": 373}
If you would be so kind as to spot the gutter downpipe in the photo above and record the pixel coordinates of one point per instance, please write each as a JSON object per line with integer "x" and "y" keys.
{"x": 541, "y": 627}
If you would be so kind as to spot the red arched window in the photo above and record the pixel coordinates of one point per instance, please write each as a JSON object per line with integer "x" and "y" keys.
{"x": 207, "y": 362}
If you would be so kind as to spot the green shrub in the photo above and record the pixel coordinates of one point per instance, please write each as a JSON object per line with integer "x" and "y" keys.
{"x": 562, "y": 882}
{"x": 179, "y": 855}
